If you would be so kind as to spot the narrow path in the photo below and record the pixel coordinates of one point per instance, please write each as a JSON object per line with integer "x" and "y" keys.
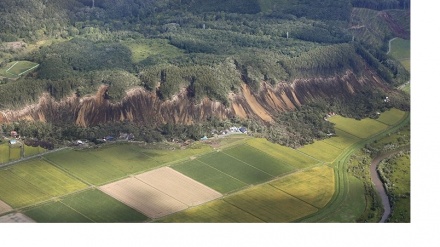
{"x": 389, "y": 44}
{"x": 30, "y": 157}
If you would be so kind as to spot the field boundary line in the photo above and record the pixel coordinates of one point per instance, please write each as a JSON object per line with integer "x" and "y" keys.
{"x": 342, "y": 149}
{"x": 294, "y": 196}
{"x": 76, "y": 211}
{"x": 11, "y": 68}
{"x": 248, "y": 164}
{"x": 301, "y": 152}
{"x": 28, "y": 70}
{"x": 66, "y": 171}
{"x": 204, "y": 163}
{"x": 243, "y": 210}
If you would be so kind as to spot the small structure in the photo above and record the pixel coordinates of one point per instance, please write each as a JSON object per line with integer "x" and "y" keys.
{"x": 12, "y": 142}
{"x": 14, "y": 134}
{"x": 243, "y": 130}
{"x": 109, "y": 138}
{"x": 204, "y": 138}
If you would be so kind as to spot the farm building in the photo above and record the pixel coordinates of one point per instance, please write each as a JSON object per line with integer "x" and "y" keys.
{"x": 243, "y": 130}
{"x": 12, "y": 141}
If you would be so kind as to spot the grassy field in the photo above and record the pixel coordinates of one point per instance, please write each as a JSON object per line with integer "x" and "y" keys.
{"x": 288, "y": 155}
{"x": 321, "y": 150}
{"x": 34, "y": 180}
{"x": 217, "y": 211}
{"x": 143, "y": 49}
{"x": 6, "y": 156}
{"x": 360, "y": 128}
{"x": 211, "y": 177}
{"x": 314, "y": 186}
{"x": 401, "y": 51}
{"x": 341, "y": 140}
{"x": 391, "y": 117}
{"x": 15, "y": 69}
{"x": 86, "y": 206}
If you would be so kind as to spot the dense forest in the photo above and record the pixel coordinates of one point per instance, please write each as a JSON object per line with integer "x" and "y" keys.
{"x": 207, "y": 47}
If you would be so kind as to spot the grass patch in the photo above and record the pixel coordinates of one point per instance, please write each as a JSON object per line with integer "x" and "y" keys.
{"x": 315, "y": 186}
{"x": 321, "y": 150}
{"x": 400, "y": 49}
{"x": 143, "y": 49}
{"x": 209, "y": 176}
{"x": 360, "y": 128}
{"x": 15, "y": 69}
{"x": 342, "y": 140}
{"x": 391, "y": 117}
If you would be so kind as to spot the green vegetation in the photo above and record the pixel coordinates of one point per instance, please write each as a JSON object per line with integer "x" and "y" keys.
{"x": 86, "y": 206}
{"x": 17, "y": 68}
{"x": 395, "y": 173}
{"x": 400, "y": 50}
{"x": 360, "y": 128}
{"x": 33, "y": 181}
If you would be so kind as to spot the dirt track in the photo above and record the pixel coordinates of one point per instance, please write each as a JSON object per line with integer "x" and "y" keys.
{"x": 15, "y": 218}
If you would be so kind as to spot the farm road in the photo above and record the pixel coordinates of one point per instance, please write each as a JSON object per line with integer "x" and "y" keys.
{"x": 30, "y": 157}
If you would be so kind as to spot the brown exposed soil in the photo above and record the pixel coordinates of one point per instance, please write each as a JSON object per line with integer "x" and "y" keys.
{"x": 142, "y": 106}
{"x": 4, "y": 207}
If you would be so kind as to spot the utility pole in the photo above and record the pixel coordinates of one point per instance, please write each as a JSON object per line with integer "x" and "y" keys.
{"x": 93, "y": 3}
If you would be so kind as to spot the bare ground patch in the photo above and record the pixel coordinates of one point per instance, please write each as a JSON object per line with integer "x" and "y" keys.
{"x": 142, "y": 197}
{"x": 179, "y": 186}
{"x": 16, "y": 218}
{"x": 4, "y": 207}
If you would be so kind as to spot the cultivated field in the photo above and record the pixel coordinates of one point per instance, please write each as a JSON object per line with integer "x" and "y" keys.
{"x": 143, "y": 49}
{"x": 87, "y": 206}
{"x": 321, "y": 150}
{"x": 342, "y": 139}
{"x": 286, "y": 154}
{"x": 7, "y": 155}
{"x": 160, "y": 192}
{"x": 360, "y": 128}
{"x": 400, "y": 49}
{"x": 391, "y": 117}
{"x": 33, "y": 181}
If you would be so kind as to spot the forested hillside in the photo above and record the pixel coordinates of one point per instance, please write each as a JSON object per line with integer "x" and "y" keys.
{"x": 197, "y": 51}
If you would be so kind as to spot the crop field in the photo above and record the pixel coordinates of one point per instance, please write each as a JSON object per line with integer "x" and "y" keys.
{"x": 217, "y": 211}
{"x": 86, "y": 206}
{"x": 6, "y": 156}
{"x": 259, "y": 160}
{"x": 321, "y": 150}
{"x": 288, "y": 155}
{"x": 391, "y": 117}
{"x": 107, "y": 164}
{"x": 4, "y": 153}
{"x": 315, "y": 186}
{"x": 270, "y": 204}
{"x": 342, "y": 139}
{"x": 360, "y": 128}
{"x": 199, "y": 171}
{"x": 15, "y": 69}
{"x": 35, "y": 180}
{"x": 235, "y": 168}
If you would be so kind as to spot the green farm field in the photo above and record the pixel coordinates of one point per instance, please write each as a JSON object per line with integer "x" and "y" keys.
{"x": 33, "y": 181}
{"x": 86, "y": 206}
{"x": 360, "y": 128}
{"x": 391, "y": 117}
{"x": 14, "y": 153}
{"x": 288, "y": 155}
{"x": 342, "y": 139}
{"x": 321, "y": 150}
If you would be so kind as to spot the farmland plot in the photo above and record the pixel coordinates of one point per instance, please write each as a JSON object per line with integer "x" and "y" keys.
{"x": 315, "y": 186}
{"x": 321, "y": 150}
{"x": 270, "y": 204}
{"x": 220, "y": 181}
{"x": 179, "y": 186}
{"x": 86, "y": 206}
{"x": 288, "y": 155}
{"x": 142, "y": 197}
{"x": 391, "y": 117}
{"x": 360, "y": 128}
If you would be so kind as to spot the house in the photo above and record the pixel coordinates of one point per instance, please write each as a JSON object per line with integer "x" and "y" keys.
{"x": 12, "y": 141}
{"x": 14, "y": 134}
{"x": 109, "y": 138}
{"x": 204, "y": 138}
{"x": 243, "y": 130}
